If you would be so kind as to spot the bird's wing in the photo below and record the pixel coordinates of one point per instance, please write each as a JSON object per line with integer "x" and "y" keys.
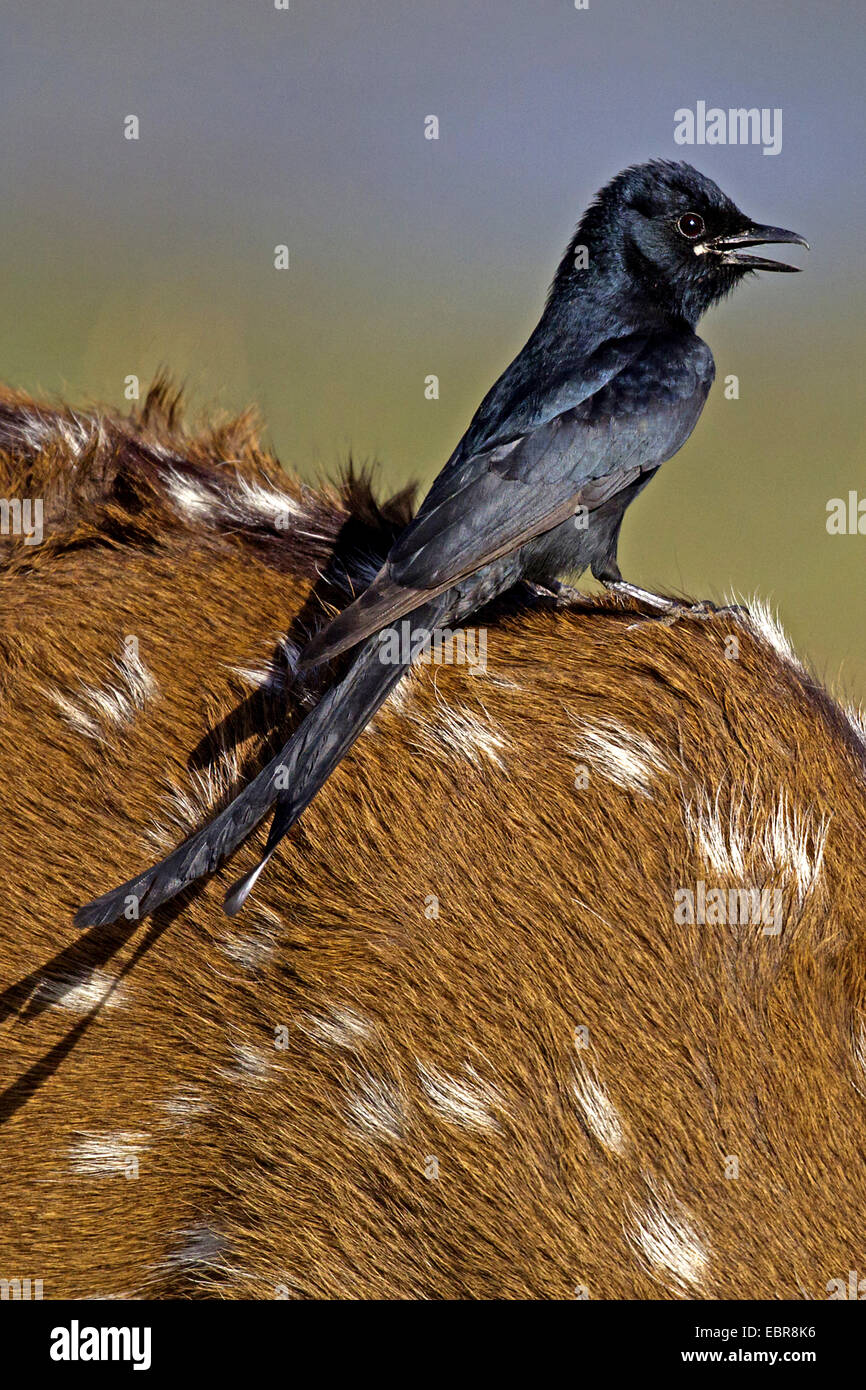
{"x": 505, "y": 494}
{"x": 512, "y": 409}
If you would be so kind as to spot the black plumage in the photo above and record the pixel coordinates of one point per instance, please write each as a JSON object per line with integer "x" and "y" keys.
{"x": 610, "y": 385}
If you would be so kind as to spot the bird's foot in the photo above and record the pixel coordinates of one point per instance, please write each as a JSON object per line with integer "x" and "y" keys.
{"x": 670, "y": 610}
{"x": 563, "y": 593}
{"x": 702, "y": 609}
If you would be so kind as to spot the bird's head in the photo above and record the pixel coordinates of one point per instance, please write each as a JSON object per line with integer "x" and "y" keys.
{"x": 668, "y": 233}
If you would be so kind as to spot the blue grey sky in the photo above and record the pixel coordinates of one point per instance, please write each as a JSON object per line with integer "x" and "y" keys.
{"x": 305, "y": 126}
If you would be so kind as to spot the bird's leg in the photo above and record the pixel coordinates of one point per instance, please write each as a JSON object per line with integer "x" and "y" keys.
{"x": 567, "y": 593}
{"x": 669, "y": 609}
{"x": 563, "y": 593}
{"x": 645, "y": 596}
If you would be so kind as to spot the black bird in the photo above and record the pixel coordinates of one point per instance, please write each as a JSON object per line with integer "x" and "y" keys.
{"x": 609, "y": 386}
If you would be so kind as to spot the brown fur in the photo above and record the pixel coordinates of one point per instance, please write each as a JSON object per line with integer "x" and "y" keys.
{"x": 159, "y": 1143}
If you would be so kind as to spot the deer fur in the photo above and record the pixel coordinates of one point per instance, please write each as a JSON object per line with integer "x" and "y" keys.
{"x": 458, "y": 1046}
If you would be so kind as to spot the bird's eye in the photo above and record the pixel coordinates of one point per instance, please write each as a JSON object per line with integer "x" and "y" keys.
{"x": 691, "y": 224}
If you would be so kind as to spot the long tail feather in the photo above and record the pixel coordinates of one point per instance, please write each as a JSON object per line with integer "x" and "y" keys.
{"x": 319, "y": 744}
{"x": 198, "y": 855}
{"x": 291, "y": 779}
{"x": 378, "y": 606}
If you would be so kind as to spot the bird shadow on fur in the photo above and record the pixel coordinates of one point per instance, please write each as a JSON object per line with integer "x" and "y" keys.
{"x": 84, "y": 956}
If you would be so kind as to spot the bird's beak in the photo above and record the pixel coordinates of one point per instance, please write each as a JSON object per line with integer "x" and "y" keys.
{"x": 755, "y": 236}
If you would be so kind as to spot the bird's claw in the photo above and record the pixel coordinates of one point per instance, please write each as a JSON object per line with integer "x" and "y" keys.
{"x": 703, "y": 610}
{"x": 564, "y": 594}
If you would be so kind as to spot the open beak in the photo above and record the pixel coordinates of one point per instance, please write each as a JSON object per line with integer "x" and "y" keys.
{"x": 755, "y": 236}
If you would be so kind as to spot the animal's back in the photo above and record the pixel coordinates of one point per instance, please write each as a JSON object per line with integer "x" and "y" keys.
{"x": 466, "y": 1042}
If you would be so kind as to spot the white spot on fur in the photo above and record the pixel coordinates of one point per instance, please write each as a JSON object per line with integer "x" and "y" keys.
{"x": 856, "y": 717}
{"x": 183, "y": 1107}
{"x": 78, "y": 433}
{"x": 376, "y": 1108}
{"x": 111, "y": 705}
{"x": 250, "y": 1066}
{"x": 267, "y": 920}
{"x": 105, "y": 1154}
{"x": 793, "y": 844}
{"x": 37, "y": 431}
{"x": 272, "y": 676}
{"x": 788, "y": 844}
{"x": 668, "y": 1244}
{"x": 259, "y": 677}
{"x": 252, "y": 950}
{"x": 190, "y": 497}
{"x": 340, "y": 1027}
{"x": 81, "y": 991}
{"x": 259, "y": 503}
{"x": 720, "y": 839}
{"x": 859, "y": 1049}
{"x": 76, "y": 718}
{"x": 398, "y": 702}
{"x": 181, "y": 815}
{"x": 468, "y": 1103}
{"x": 115, "y": 704}
{"x": 241, "y": 501}
{"x": 400, "y": 698}
{"x": 212, "y": 783}
{"x": 599, "y": 1112}
{"x": 185, "y": 808}
{"x": 765, "y": 624}
{"x": 459, "y": 733}
{"x": 627, "y": 759}
{"x": 140, "y": 681}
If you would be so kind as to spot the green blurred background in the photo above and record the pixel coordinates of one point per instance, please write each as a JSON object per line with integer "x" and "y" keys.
{"x": 305, "y": 126}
